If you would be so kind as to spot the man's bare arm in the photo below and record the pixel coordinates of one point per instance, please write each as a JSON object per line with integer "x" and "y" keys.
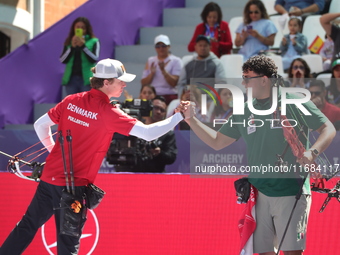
{"x": 327, "y": 133}
{"x": 214, "y": 139}
{"x": 326, "y": 20}
{"x": 280, "y": 9}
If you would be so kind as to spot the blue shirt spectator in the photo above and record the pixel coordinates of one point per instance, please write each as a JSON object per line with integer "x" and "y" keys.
{"x": 257, "y": 32}
{"x": 252, "y": 45}
{"x": 301, "y": 6}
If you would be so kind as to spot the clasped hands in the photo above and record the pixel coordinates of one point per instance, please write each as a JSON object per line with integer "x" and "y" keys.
{"x": 187, "y": 109}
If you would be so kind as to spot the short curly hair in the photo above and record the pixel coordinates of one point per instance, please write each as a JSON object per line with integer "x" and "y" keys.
{"x": 261, "y": 65}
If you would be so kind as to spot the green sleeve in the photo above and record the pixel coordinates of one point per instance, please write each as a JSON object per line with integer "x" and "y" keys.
{"x": 231, "y": 131}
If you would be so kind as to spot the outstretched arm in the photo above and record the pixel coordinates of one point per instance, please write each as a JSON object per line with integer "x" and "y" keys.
{"x": 157, "y": 129}
{"x": 214, "y": 139}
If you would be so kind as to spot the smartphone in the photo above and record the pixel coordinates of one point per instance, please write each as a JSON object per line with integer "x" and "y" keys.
{"x": 79, "y": 32}
{"x": 249, "y": 27}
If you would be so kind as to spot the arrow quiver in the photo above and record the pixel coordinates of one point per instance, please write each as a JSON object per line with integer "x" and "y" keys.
{"x": 72, "y": 206}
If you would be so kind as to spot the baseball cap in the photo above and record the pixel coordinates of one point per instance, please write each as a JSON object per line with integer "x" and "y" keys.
{"x": 162, "y": 38}
{"x": 202, "y": 37}
{"x": 111, "y": 68}
{"x": 336, "y": 63}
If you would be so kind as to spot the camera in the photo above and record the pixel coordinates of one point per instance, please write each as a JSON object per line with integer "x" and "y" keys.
{"x": 151, "y": 145}
{"x": 130, "y": 153}
{"x": 136, "y": 108}
{"x": 127, "y": 152}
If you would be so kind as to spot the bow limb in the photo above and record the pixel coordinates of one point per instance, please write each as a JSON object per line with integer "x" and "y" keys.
{"x": 17, "y": 161}
{"x": 320, "y": 163}
{"x": 14, "y": 167}
{"x": 298, "y": 149}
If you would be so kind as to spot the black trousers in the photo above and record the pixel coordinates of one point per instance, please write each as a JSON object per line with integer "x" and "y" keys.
{"x": 46, "y": 198}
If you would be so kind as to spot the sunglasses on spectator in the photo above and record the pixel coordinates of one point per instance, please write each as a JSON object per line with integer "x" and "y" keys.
{"x": 157, "y": 108}
{"x": 255, "y": 12}
{"x": 160, "y": 46}
{"x": 299, "y": 67}
{"x": 317, "y": 93}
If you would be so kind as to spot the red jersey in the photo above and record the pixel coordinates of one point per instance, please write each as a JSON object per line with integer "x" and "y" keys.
{"x": 92, "y": 121}
{"x": 331, "y": 111}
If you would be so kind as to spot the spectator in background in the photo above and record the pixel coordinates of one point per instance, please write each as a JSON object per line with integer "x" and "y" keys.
{"x": 299, "y": 74}
{"x": 204, "y": 65}
{"x": 80, "y": 54}
{"x": 147, "y": 92}
{"x": 163, "y": 150}
{"x": 189, "y": 93}
{"x": 299, "y": 7}
{"x": 185, "y": 96}
{"x": 328, "y": 23}
{"x": 333, "y": 90}
{"x": 162, "y": 71}
{"x": 195, "y": 95}
{"x": 257, "y": 32}
{"x": 222, "y": 111}
{"x": 326, "y": 53}
{"x": 294, "y": 44}
{"x": 215, "y": 29}
{"x": 318, "y": 92}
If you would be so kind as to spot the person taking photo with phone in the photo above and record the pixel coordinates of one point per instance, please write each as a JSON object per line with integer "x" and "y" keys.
{"x": 257, "y": 32}
{"x": 80, "y": 54}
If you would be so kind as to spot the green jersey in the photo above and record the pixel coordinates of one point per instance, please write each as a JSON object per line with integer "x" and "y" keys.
{"x": 266, "y": 141}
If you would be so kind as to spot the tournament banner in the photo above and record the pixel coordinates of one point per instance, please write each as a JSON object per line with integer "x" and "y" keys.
{"x": 156, "y": 214}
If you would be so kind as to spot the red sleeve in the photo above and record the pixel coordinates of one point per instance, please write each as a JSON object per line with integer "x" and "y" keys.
{"x": 226, "y": 43}
{"x": 120, "y": 122}
{"x": 198, "y": 31}
{"x": 55, "y": 113}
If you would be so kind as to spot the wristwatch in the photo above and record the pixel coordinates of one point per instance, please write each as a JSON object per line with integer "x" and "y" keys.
{"x": 315, "y": 151}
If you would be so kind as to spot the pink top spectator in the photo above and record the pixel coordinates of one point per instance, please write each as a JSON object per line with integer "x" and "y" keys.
{"x": 173, "y": 67}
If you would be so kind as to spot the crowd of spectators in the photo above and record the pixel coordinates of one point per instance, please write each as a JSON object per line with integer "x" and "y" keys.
{"x": 168, "y": 76}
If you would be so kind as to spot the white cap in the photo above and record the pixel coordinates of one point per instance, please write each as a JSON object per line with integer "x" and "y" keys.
{"x": 111, "y": 68}
{"x": 162, "y": 38}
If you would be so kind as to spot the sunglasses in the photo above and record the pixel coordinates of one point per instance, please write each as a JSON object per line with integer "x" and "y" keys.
{"x": 246, "y": 79}
{"x": 161, "y": 46}
{"x": 299, "y": 67}
{"x": 157, "y": 108}
{"x": 317, "y": 93}
{"x": 255, "y": 12}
